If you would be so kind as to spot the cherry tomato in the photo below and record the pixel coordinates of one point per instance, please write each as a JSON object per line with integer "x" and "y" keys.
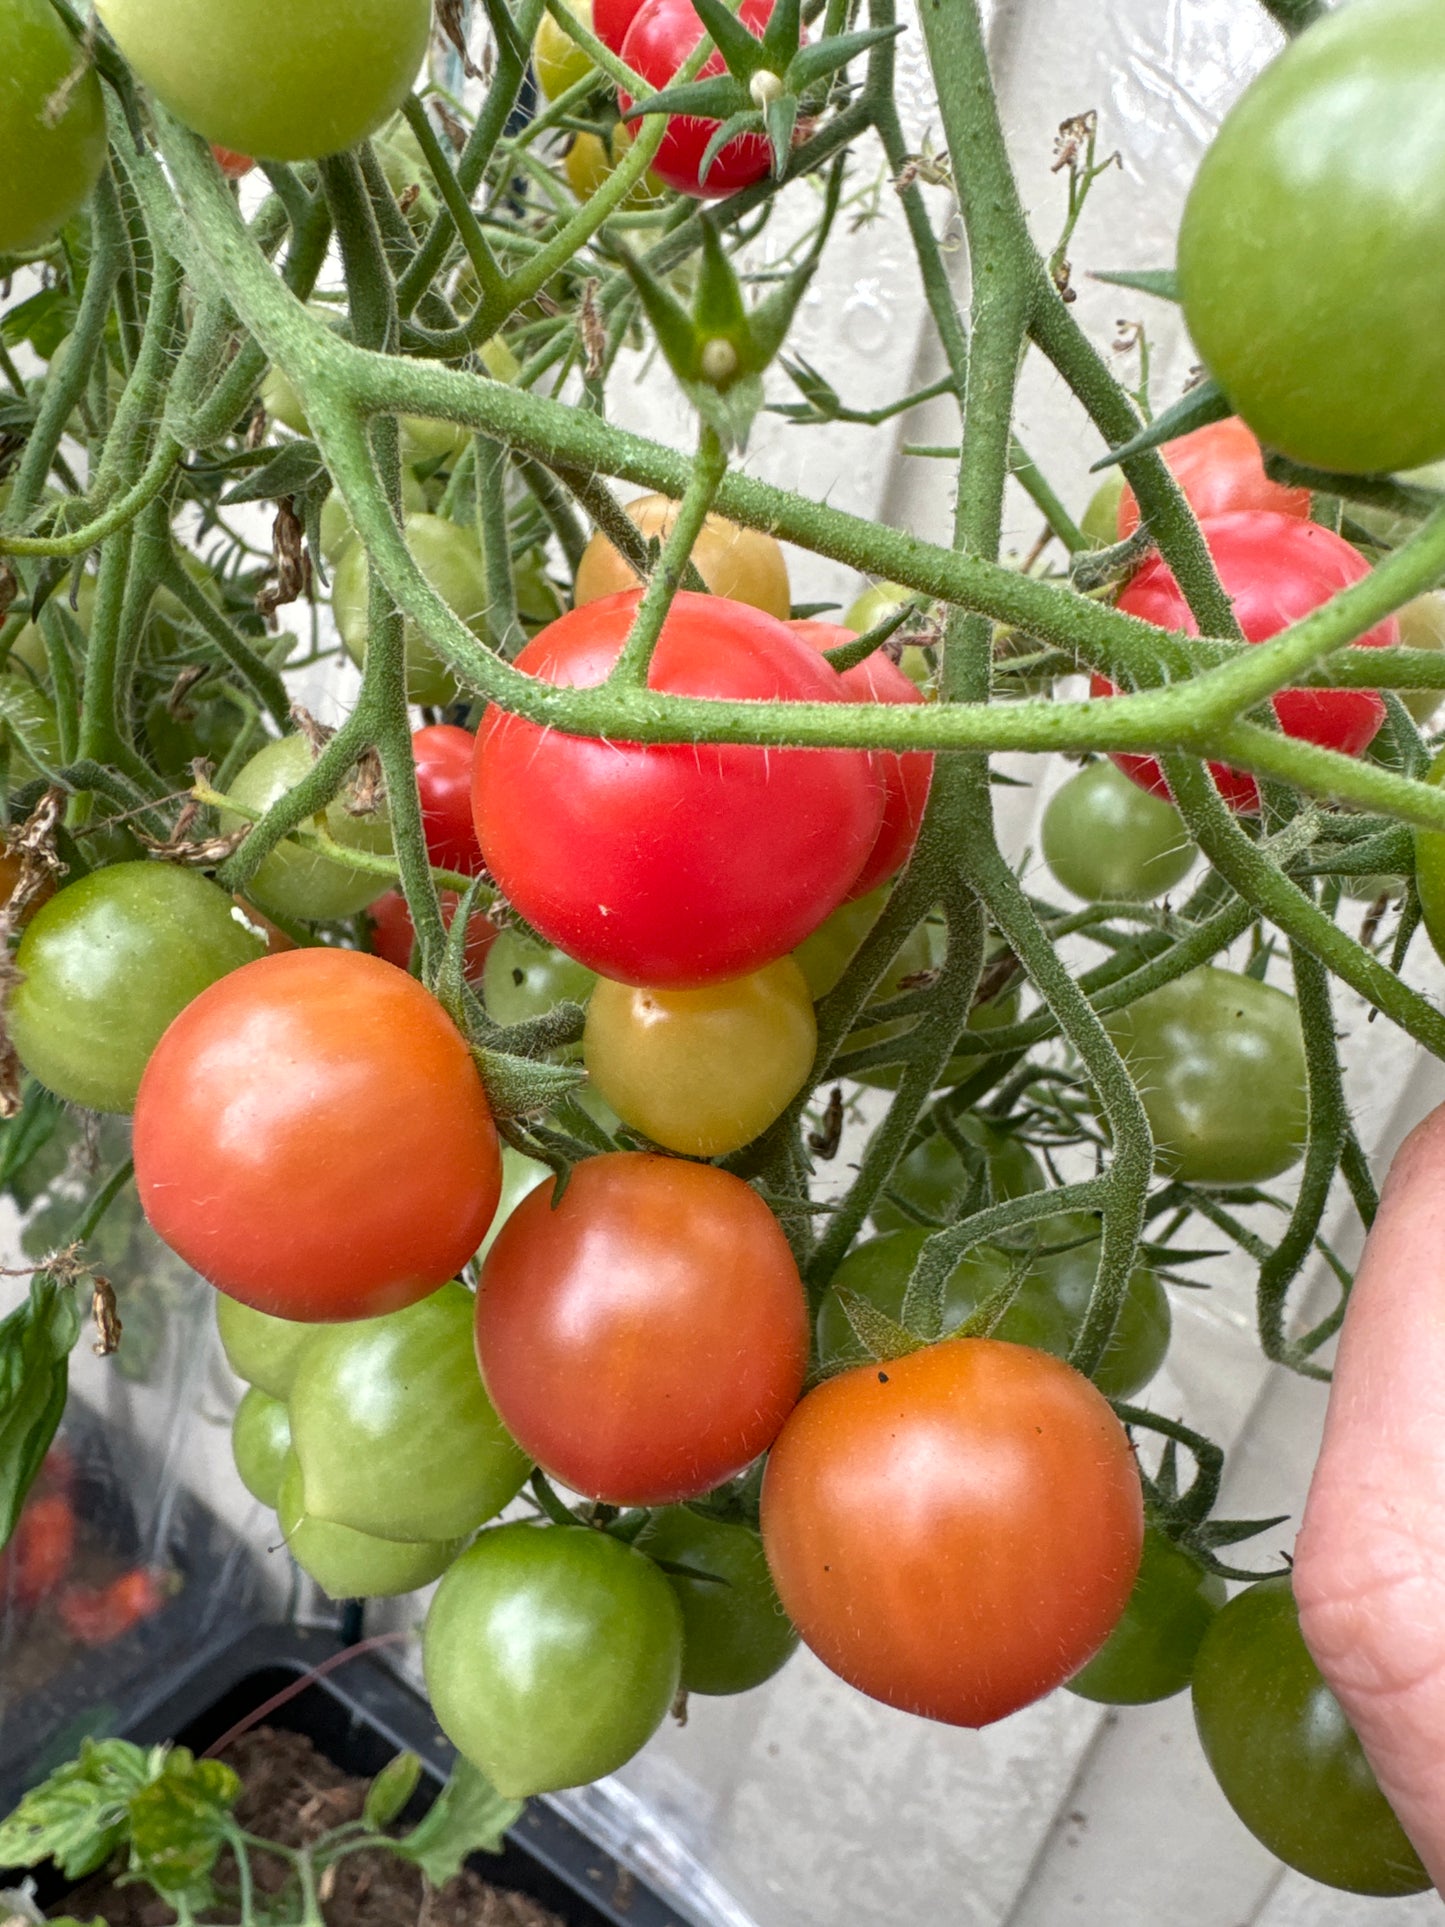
{"x": 1285, "y": 1756}
{"x": 107, "y": 964}
{"x": 1327, "y": 174}
{"x": 1219, "y": 1062}
{"x": 922, "y": 954}
{"x": 935, "y": 1177}
{"x": 261, "y": 1350}
{"x": 294, "y": 881}
{"x": 234, "y": 166}
{"x": 673, "y": 865}
{"x": 331, "y": 78}
{"x": 735, "y": 1633}
{"x": 98, "y": 1615}
{"x": 645, "y": 1337}
{"x": 1275, "y": 570}
{"x": 444, "y": 756}
{"x": 260, "y": 1440}
{"x": 612, "y": 18}
{"x": 552, "y": 1654}
{"x": 662, "y": 35}
{"x": 393, "y": 934}
{"x": 40, "y": 1554}
{"x": 1150, "y": 1653}
{"x": 1422, "y": 626}
{"x": 869, "y": 610}
{"x": 1220, "y": 468}
{"x": 745, "y": 565}
{"x": 557, "y": 59}
{"x": 955, "y": 1532}
{"x": 702, "y": 1071}
{"x": 313, "y": 1137}
{"x": 49, "y": 161}
{"x": 393, "y": 1430}
{"x": 905, "y": 779}
{"x": 1100, "y": 519}
{"x": 353, "y": 1565}
{"x": 587, "y": 163}
{"x": 1107, "y": 840}
{"x": 449, "y": 558}
{"x": 524, "y": 979}
{"x": 827, "y": 953}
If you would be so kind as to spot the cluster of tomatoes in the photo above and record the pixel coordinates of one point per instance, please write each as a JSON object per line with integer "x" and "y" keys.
{"x": 38, "y": 1566}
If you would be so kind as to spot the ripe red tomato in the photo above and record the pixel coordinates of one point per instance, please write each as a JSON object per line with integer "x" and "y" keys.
{"x": 315, "y": 1139}
{"x": 955, "y": 1532}
{"x": 905, "y": 779}
{"x": 232, "y": 164}
{"x": 1221, "y": 470}
{"x": 644, "y": 1338}
{"x": 612, "y": 18}
{"x": 662, "y": 35}
{"x": 96, "y": 1615}
{"x": 40, "y": 1554}
{"x": 444, "y": 756}
{"x": 673, "y": 865}
{"x": 393, "y": 933}
{"x": 1275, "y": 570}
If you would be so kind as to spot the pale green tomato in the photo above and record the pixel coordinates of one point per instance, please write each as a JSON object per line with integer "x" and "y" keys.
{"x": 520, "y": 1175}
{"x": 871, "y": 608}
{"x": 825, "y": 955}
{"x": 523, "y": 979}
{"x": 1422, "y": 626}
{"x": 49, "y": 160}
{"x": 262, "y": 1350}
{"x": 353, "y": 1565}
{"x": 294, "y": 881}
{"x": 558, "y": 61}
{"x": 450, "y": 560}
{"x": 1105, "y": 839}
{"x": 283, "y": 87}
{"x": 1387, "y": 528}
{"x": 1100, "y": 520}
{"x": 260, "y": 1440}
{"x": 337, "y": 527}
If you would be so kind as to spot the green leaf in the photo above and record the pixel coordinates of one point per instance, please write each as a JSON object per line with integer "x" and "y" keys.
{"x": 36, "y": 1341}
{"x": 295, "y": 469}
{"x": 469, "y": 1816}
{"x": 44, "y": 321}
{"x": 1161, "y": 281}
{"x": 880, "y": 1336}
{"x": 80, "y": 1816}
{"x": 178, "y": 1825}
{"x": 28, "y": 1132}
{"x": 522, "y": 1086}
{"x": 1203, "y": 404}
{"x": 390, "y": 1791}
{"x": 811, "y": 64}
{"x": 742, "y": 52}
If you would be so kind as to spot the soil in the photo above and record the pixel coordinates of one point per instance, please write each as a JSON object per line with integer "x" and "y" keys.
{"x": 291, "y": 1795}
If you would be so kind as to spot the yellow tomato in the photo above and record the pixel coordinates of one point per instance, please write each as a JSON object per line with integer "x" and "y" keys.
{"x": 742, "y": 564}
{"x": 559, "y": 62}
{"x": 702, "y": 1071}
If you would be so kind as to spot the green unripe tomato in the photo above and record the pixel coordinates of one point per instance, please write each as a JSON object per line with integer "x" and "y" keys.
{"x": 873, "y": 607}
{"x": 290, "y": 88}
{"x": 262, "y": 1350}
{"x": 934, "y": 1177}
{"x": 1150, "y": 1653}
{"x": 393, "y": 1429}
{"x": 353, "y": 1565}
{"x": 49, "y": 161}
{"x": 107, "y": 964}
{"x": 523, "y": 979}
{"x": 558, "y": 61}
{"x": 825, "y": 955}
{"x": 1106, "y": 840}
{"x": 337, "y": 527}
{"x": 260, "y": 1440}
{"x": 1328, "y": 175}
{"x": 552, "y": 1654}
{"x": 1286, "y": 1758}
{"x": 1422, "y": 626}
{"x": 282, "y": 403}
{"x": 735, "y": 1633}
{"x": 1100, "y": 520}
{"x": 924, "y": 950}
{"x": 294, "y": 881}
{"x": 450, "y": 560}
{"x": 520, "y": 1175}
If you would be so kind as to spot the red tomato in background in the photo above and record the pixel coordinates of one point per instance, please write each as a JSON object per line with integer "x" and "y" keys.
{"x": 905, "y": 778}
{"x": 393, "y": 934}
{"x": 315, "y": 1139}
{"x": 40, "y": 1554}
{"x": 674, "y": 865}
{"x": 955, "y": 1532}
{"x": 612, "y": 18}
{"x": 444, "y": 754}
{"x": 231, "y": 164}
{"x": 95, "y": 1615}
{"x": 1221, "y": 470}
{"x": 1275, "y": 570}
{"x": 645, "y": 1339}
{"x": 662, "y": 35}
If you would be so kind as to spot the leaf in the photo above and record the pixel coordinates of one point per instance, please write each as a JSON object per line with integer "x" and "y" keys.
{"x": 36, "y": 1341}
{"x": 178, "y": 1825}
{"x": 1163, "y": 282}
{"x": 880, "y": 1336}
{"x": 390, "y": 1791}
{"x": 1203, "y": 404}
{"x": 521, "y": 1086}
{"x": 80, "y": 1816}
{"x": 28, "y": 1132}
{"x": 295, "y": 469}
{"x": 44, "y": 321}
{"x": 469, "y": 1816}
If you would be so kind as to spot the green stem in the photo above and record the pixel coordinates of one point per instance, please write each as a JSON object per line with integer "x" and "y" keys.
{"x": 632, "y": 665}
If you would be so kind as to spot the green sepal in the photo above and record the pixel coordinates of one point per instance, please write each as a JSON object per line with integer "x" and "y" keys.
{"x": 671, "y": 323}
{"x": 450, "y": 988}
{"x": 747, "y": 120}
{"x": 783, "y": 34}
{"x": 849, "y": 654}
{"x": 769, "y": 322}
{"x": 742, "y": 51}
{"x": 524, "y": 1086}
{"x": 780, "y": 117}
{"x": 821, "y": 400}
{"x": 1163, "y": 282}
{"x": 880, "y": 1336}
{"x": 1204, "y": 403}
{"x": 730, "y": 412}
{"x": 717, "y": 309}
{"x": 814, "y": 63}
{"x": 390, "y": 1791}
{"x": 983, "y": 1322}
{"x": 711, "y": 99}
{"x": 469, "y": 1816}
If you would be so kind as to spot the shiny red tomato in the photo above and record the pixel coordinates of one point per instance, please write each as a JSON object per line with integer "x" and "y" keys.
{"x": 673, "y": 865}
{"x": 444, "y": 756}
{"x": 662, "y": 35}
{"x": 232, "y": 164}
{"x": 1275, "y": 570}
{"x": 955, "y": 1532}
{"x": 393, "y": 933}
{"x": 1220, "y": 469}
{"x": 315, "y": 1138}
{"x": 645, "y": 1338}
{"x": 612, "y": 18}
{"x": 905, "y": 779}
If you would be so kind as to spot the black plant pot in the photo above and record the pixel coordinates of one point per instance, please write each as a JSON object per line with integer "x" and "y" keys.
{"x": 359, "y": 1718}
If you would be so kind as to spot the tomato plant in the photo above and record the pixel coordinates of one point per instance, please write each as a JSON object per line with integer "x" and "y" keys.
{"x": 296, "y": 880}
{"x": 348, "y": 1564}
{"x": 1151, "y": 1652}
{"x": 552, "y": 1654}
{"x": 1220, "y": 468}
{"x": 107, "y": 964}
{"x": 661, "y": 36}
{"x": 1430, "y": 870}
{"x": 1285, "y": 1756}
{"x": 673, "y": 867}
{"x": 644, "y": 1336}
{"x": 745, "y": 565}
{"x": 51, "y": 161}
{"x": 931, "y": 1180}
{"x": 1106, "y": 839}
{"x": 702, "y": 1071}
{"x": 735, "y": 1633}
{"x": 974, "y": 1485}
{"x": 1275, "y": 569}
{"x": 296, "y": 1053}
